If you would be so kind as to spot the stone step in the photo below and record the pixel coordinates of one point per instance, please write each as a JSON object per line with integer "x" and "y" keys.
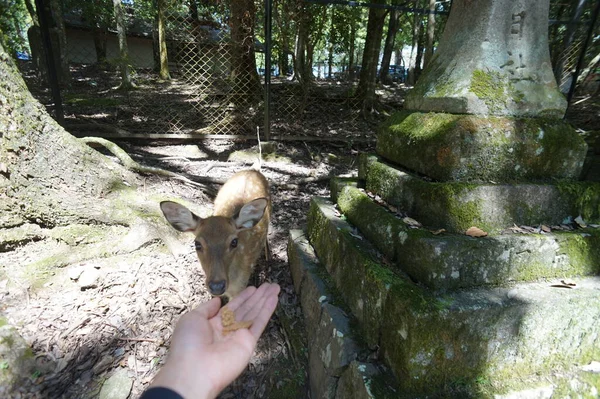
{"x": 466, "y": 343}
{"x": 452, "y": 147}
{"x": 456, "y": 206}
{"x": 453, "y": 261}
{"x": 337, "y": 367}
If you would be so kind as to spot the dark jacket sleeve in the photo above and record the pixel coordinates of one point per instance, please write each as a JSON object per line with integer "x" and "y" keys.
{"x": 160, "y": 393}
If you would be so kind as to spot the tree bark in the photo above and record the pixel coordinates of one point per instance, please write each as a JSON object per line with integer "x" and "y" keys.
{"x": 352, "y": 50}
{"x": 415, "y": 42}
{"x": 31, "y": 9}
{"x": 430, "y": 34}
{"x": 162, "y": 41}
{"x": 393, "y": 25}
{"x": 56, "y": 11}
{"x": 368, "y": 72}
{"x": 47, "y": 176}
{"x": 126, "y": 82}
{"x": 243, "y": 72}
{"x": 300, "y": 70}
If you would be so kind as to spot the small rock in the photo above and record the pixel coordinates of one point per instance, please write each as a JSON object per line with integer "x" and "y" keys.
{"x": 74, "y": 272}
{"x": 118, "y": 386}
{"x": 89, "y": 278}
{"x": 102, "y": 364}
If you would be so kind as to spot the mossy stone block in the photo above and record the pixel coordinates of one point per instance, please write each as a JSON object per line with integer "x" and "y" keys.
{"x": 456, "y": 206}
{"x": 453, "y": 261}
{"x": 490, "y": 340}
{"x": 361, "y": 280}
{"x": 366, "y": 381}
{"x": 337, "y": 183}
{"x": 448, "y": 147}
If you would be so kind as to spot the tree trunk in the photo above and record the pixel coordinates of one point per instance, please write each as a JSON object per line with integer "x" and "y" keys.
{"x": 162, "y": 42}
{"x": 300, "y": 47}
{"x": 351, "y": 51}
{"x": 368, "y": 73}
{"x": 393, "y": 25}
{"x": 430, "y": 34}
{"x": 332, "y": 38}
{"x": 243, "y": 71}
{"x": 31, "y": 9}
{"x": 126, "y": 82}
{"x": 57, "y": 17}
{"x": 47, "y": 176}
{"x": 553, "y": 35}
{"x": 99, "y": 35}
{"x": 415, "y": 40}
{"x": 419, "y": 58}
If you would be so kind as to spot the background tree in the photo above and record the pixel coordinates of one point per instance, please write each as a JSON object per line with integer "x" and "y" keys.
{"x": 162, "y": 40}
{"x": 61, "y": 33}
{"x": 243, "y": 61}
{"x": 124, "y": 68}
{"x": 368, "y": 72}
{"x": 430, "y": 34}
{"x": 393, "y": 26}
{"x": 14, "y": 21}
{"x": 416, "y": 32}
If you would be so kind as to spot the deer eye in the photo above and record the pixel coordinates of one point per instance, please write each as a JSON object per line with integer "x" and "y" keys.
{"x": 198, "y": 246}
{"x": 234, "y": 243}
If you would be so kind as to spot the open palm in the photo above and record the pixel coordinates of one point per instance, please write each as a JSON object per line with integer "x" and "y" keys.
{"x": 202, "y": 361}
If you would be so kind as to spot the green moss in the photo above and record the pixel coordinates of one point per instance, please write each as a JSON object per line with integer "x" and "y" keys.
{"x": 419, "y": 126}
{"x": 3, "y": 322}
{"x": 583, "y": 251}
{"x": 489, "y": 87}
{"x": 587, "y": 198}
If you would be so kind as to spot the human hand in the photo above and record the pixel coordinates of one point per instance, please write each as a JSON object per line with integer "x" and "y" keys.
{"x": 202, "y": 361}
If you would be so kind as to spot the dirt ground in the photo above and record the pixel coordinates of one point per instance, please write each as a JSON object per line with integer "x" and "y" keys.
{"x": 81, "y": 334}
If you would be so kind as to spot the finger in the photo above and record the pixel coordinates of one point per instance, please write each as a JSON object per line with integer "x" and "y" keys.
{"x": 252, "y": 312}
{"x": 261, "y": 320}
{"x": 208, "y": 309}
{"x": 241, "y": 298}
{"x": 252, "y": 302}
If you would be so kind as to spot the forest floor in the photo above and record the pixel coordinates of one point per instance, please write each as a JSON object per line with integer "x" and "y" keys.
{"x": 91, "y": 319}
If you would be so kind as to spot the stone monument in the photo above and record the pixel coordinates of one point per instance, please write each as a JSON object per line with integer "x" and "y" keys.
{"x": 460, "y": 267}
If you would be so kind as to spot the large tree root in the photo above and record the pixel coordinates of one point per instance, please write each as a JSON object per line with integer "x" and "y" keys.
{"x": 129, "y": 163}
{"x": 199, "y": 181}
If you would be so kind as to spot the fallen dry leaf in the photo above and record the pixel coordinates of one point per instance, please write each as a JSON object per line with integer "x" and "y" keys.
{"x": 229, "y": 323}
{"x": 569, "y": 282}
{"x": 580, "y": 222}
{"x": 411, "y": 222}
{"x": 475, "y": 232}
{"x": 438, "y": 231}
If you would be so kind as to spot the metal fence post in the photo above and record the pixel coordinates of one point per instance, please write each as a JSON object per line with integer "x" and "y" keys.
{"x": 268, "y": 28}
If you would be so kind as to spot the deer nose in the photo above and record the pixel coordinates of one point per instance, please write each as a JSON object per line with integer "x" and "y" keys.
{"x": 217, "y": 287}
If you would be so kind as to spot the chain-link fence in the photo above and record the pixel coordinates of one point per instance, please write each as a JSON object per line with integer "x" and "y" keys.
{"x": 213, "y": 71}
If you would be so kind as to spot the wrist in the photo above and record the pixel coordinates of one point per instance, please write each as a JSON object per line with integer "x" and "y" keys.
{"x": 188, "y": 386}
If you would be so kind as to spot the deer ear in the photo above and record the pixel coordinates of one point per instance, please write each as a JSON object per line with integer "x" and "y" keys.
{"x": 179, "y": 216}
{"x": 251, "y": 213}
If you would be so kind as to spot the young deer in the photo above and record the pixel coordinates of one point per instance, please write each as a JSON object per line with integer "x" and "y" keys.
{"x": 229, "y": 242}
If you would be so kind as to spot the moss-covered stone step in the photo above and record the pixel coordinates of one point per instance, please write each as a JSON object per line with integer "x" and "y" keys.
{"x": 466, "y": 343}
{"x": 449, "y": 147}
{"x": 453, "y": 261}
{"x": 456, "y": 206}
{"x": 337, "y": 367}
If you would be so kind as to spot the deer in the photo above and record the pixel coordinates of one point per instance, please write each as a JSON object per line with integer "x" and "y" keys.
{"x": 229, "y": 242}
